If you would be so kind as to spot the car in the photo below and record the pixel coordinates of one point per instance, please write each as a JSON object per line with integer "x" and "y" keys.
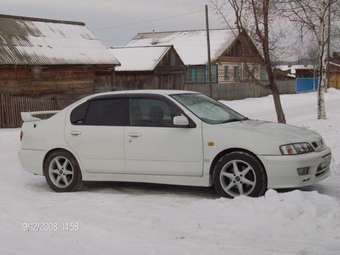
{"x": 169, "y": 137}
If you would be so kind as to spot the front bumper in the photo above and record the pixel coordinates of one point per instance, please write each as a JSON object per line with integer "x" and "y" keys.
{"x": 282, "y": 170}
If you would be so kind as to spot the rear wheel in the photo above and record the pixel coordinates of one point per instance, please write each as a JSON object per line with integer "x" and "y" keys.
{"x": 239, "y": 173}
{"x": 62, "y": 171}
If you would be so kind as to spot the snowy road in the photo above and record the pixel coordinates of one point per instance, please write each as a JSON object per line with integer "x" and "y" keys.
{"x": 153, "y": 219}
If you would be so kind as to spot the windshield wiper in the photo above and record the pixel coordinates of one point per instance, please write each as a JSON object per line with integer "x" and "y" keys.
{"x": 234, "y": 120}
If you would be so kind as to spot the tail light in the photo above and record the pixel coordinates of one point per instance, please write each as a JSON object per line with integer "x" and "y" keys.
{"x": 21, "y": 135}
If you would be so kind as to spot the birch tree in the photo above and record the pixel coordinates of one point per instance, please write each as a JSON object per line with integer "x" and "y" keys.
{"x": 312, "y": 17}
{"x": 255, "y": 17}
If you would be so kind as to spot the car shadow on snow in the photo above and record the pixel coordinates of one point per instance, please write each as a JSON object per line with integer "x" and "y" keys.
{"x": 150, "y": 189}
{"x": 146, "y": 189}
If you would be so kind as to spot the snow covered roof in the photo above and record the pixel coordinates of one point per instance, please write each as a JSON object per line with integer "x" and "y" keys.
{"x": 293, "y": 68}
{"x": 143, "y": 58}
{"x": 190, "y": 45}
{"x": 35, "y": 41}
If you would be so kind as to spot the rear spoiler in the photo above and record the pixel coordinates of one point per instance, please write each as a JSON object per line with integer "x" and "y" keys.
{"x": 37, "y": 116}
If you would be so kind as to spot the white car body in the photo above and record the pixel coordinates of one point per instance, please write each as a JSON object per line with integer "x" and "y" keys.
{"x": 180, "y": 156}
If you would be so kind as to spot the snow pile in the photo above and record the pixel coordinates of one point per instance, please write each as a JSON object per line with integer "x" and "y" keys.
{"x": 156, "y": 219}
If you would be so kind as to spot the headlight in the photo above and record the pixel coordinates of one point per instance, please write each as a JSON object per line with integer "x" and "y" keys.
{"x": 296, "y": 148}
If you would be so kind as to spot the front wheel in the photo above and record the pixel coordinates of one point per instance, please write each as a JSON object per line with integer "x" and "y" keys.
{"x": 239, "y": 173}
{"x": 62, "y": 171}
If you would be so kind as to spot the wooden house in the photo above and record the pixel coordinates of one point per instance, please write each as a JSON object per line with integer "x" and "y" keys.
{"x": 55, "y": 60}
{"x": 148, "y": 67}
{"x": 334, "y": 72}
{"x": 40, "y": 57}
{"x": 233, "y": 55}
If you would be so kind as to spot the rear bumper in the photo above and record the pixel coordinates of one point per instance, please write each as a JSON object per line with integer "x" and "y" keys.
{"x": 32, "y": 160}
{"x": 282, "y": 170}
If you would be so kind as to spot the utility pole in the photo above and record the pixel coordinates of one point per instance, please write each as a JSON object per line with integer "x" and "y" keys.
{"x": 209, "y": 55}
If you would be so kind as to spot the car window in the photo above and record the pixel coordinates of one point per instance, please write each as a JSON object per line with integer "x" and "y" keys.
{"x": 79, "y": 113}
{"x": 107, "y": 112}
{"x": 152, "y": 112}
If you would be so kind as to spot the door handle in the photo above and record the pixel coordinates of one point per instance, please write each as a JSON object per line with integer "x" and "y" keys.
{"x": 134, "y": 135}
{"x": 75, "y": 133}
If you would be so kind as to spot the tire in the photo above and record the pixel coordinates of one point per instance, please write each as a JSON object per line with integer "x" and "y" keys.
{"x": 239, "y": 173}
{"x": 62, "y": 172}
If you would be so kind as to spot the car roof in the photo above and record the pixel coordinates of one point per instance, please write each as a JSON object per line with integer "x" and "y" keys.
{"x": 151, "y": 92}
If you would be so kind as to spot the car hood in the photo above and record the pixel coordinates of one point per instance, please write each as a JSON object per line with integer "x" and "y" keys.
{"x": 260, "y": 137}
{"x": 282, "y": 132}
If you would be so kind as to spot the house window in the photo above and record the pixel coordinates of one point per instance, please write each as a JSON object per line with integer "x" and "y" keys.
{"x": 237, "y": 73}
{"x": 199, "y": 74}
{"x": 263, "y": 75}
{"x": 251, "y": 71}
{"x": 226, "y": 73}
{"x": 214, "y": 71}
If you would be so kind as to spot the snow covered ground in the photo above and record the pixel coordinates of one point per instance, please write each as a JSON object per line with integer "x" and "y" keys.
{"x": 154, "y": 219}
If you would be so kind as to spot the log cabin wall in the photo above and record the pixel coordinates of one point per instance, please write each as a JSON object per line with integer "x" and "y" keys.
{"x": 65, "y": 83}
{"x": 148, "y": 80}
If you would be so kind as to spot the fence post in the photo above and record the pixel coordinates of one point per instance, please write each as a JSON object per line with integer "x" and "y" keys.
{"x": 1, "y": 103}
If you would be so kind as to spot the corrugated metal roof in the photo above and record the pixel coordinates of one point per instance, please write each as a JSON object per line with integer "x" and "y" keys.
{"x": 191, "y": 45}
{"x": 35, "y": 41}
{"x": 144, "y": 58}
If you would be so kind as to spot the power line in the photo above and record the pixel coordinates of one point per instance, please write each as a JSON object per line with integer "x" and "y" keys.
{"x": 150, "y": 20}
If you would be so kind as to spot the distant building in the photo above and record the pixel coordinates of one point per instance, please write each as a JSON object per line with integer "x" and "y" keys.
{"x": 298, "y": 70}
{"x": 229, "y": 53}
{"x": 334, "y": 71}
{"x": 43, "y": 56}
{"x": 148, "y": 67}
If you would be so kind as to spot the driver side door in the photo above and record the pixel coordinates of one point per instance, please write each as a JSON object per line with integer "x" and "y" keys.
{"x": 154, "y": 146}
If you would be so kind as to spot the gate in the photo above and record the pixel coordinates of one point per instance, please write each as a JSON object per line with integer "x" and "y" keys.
{"x": 306, "y": 84}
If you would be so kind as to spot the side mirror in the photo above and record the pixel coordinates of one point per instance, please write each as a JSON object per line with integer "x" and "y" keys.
{"x": 181, "y": 121}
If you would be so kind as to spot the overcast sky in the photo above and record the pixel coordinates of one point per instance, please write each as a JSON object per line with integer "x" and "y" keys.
{"x": 115, "y": 22}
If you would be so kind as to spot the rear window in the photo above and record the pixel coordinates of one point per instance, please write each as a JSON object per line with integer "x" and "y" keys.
{"x": 102, "y": 112}
{"x": 78, "y": 114}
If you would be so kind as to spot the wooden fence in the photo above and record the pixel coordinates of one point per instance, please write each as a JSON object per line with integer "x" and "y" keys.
{"x": 12, "y": 106}
{"x": 235, "y": 91}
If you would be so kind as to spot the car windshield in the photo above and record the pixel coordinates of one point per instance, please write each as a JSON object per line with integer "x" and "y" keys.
{"x": 207, "y": 109}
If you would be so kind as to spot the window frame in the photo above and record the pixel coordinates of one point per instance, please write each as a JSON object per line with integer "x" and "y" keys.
{"x": 237, "y": 70}
{"x": 226, "y": 73}
{"x": 167, "y": 101}
{"x": 128, "y": 97}
{"x": 100, "y": 98}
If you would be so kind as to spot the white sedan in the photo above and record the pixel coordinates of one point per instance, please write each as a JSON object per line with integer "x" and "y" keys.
{"x": 170, "y": 137}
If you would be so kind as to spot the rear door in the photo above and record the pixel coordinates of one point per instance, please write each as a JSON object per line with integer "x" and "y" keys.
{"x": 95, "y": 133}
{"x": 154, "y": 146}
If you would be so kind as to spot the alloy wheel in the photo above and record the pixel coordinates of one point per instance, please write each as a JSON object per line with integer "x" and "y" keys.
{"x": 237, "y": 177}
{"x": 61, "y": 172}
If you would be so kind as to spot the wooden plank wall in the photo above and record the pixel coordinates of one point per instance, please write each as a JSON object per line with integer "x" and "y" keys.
{"x": 36, "y": 81}
{"x": 241, "y": 90}
{"x": 334, "y": 80}
{"x": 148, "y": 80}
{"x": 12, "y": 106}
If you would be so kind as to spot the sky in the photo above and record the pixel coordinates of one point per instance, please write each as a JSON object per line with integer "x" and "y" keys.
{"x": 115, "y": 22}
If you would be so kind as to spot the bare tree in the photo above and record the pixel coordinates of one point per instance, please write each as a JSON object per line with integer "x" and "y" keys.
{"x": 254, "y": 17}
{"x": 312, "y": 17}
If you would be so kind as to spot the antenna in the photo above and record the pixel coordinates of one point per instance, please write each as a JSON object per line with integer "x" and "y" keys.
{"x": 154, "y": 40}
